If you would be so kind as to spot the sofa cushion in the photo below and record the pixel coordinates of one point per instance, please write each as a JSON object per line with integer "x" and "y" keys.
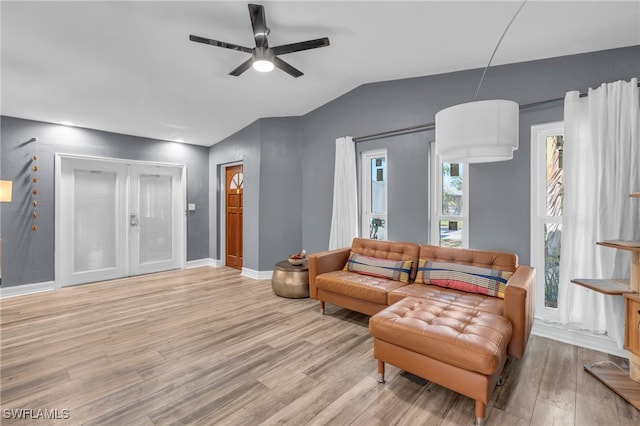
{"x": 472, "y": 279}
{"x": 364, "y": 287}
{"x": 482, "y": 258}
{"x": 392, "y": 269}
{"x": 391, "y": 250}
{"x": 463, "y": 299}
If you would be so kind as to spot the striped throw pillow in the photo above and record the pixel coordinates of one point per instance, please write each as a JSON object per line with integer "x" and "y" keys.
{"x": 392, "y": 269}
{"x": 472, "y": 279}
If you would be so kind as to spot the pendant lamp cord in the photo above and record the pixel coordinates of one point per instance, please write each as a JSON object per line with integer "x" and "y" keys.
{"x": 496, "y": 49}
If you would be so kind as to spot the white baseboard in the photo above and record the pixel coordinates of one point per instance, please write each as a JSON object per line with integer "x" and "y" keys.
{"x": 578, "y": 338}
{"x": 21, "y": 290}
{"x": 219, "y": 263}
{"x": 215, "y": 263}
{"x": 256, "y": 275}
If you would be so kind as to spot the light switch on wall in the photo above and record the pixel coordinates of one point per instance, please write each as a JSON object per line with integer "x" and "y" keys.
{"x": 191, "y": 207}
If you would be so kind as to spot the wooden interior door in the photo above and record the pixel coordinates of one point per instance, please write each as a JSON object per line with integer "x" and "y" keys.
{"x": 233, "y": 213}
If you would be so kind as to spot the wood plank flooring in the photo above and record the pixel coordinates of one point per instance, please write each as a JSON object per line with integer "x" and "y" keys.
{"x": 206, "y": 346}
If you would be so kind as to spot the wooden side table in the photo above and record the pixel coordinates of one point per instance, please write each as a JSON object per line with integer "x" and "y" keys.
{"x": 623, "y": 382}
{"x": 632, "y": 333}
{"x": 290, "y": 281}
{"x": 612, "y": 376}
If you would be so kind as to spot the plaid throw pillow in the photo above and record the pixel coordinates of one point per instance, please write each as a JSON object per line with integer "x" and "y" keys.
{"x": 472, "y": 279}
{"x": 392, "y": 269}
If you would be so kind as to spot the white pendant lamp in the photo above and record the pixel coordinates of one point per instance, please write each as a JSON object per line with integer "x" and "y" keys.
{"x": 479, "y": 131}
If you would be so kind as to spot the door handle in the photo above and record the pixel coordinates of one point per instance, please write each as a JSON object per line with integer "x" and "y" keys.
{"x": 133, "y": 219}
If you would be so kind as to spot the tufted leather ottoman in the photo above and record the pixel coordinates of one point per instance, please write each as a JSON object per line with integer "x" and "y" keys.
{"x": 460, "y": 348}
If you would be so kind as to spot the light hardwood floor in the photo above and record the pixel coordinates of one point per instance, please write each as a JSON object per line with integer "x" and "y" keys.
{"x": 206, "y": 346}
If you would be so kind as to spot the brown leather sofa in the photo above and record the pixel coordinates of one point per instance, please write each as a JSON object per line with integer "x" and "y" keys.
{"x": 458, "y": 369}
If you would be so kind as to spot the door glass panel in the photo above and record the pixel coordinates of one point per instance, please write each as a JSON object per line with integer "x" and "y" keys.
{"x": 374, "y": 186}
{"x": 376, "y": 229}
{"x": 553, "y": 230}
{"x": 555, "y": 188}
{"x": 378, "y": 186}
{"x": 95, "y": 220}
{"x": 451, "y": 189}
{"x": 237, "y": 181}
{"x": 552, "y": 236}
{"x": 155, "y": 218}
{"x": 451, "y": 233}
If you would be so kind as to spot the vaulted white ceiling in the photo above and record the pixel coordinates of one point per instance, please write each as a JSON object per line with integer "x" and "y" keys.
{"x": 129, "y": 67}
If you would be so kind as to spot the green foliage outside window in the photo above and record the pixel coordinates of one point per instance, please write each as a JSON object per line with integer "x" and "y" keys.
{"x": 451, "y": 191}
{"x": 553, "y": 231}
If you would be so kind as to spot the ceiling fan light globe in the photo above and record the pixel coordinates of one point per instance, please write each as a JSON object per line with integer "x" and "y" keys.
{"x": 263, "y": 65}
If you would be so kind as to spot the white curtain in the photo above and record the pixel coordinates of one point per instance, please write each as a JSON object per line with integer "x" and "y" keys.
{"x": 601, "y": 168}
{"x": 344, "y": 219}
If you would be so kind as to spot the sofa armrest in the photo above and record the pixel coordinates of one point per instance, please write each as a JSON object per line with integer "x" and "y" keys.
{"x": 519, "y": 309}
{"x": 325, "y": 261}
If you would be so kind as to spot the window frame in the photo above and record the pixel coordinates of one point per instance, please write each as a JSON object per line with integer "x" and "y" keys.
{"x": 539, "y": 135}
{"x": 365, "y": 199}
{"x": 436, "y": 201}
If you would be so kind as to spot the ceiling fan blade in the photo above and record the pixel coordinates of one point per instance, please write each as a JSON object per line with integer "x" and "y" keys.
{"x": 232, "y": 46}
{"x": 294, "y": 72}
{"x": 242, "y": 67}
{"x": 303, "y": 45}
{"x": 259, "y": 25}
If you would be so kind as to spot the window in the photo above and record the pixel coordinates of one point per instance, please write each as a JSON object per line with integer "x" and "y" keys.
{"x": 374, "y": 195}
{"x": 449, "y": 224}
{"x": 547, "y": 192}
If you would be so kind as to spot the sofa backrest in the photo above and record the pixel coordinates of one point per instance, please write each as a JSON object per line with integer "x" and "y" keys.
{"x": 392, "y": 250}
{"x": 483, "y": 258}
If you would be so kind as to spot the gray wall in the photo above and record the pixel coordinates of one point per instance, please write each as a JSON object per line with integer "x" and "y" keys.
{"x": 408, "y": 168}
{"x": 27, "y": 256}
{"x": 280, "y": 191}
{"x": 272, "y": 215}
{"x": 244, "y": 147}
{"x": 499, "y": 192}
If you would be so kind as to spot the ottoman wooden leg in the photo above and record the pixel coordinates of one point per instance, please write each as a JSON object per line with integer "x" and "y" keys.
{"x": 480, "y": 413}
{"x": 380, "y": 371}
{"x": 322, "y": 307}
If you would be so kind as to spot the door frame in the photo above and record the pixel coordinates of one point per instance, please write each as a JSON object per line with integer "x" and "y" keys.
{"x": 222, "y": 212}
{"x": 59, "y": 157}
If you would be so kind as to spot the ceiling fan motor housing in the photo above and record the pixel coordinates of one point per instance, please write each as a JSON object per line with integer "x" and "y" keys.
{"x": 263, "y": 54}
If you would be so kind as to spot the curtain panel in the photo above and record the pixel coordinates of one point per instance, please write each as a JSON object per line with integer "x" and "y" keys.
{"x": 601, "y": 158}
{"x": 344, "y": 217}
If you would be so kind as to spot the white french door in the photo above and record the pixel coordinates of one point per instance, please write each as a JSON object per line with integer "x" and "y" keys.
{"x": 155, "y": 219}
{"x": 115, "y": 219}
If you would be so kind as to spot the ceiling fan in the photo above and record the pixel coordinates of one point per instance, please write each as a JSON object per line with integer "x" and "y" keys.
{"x": 264, "y": 58}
